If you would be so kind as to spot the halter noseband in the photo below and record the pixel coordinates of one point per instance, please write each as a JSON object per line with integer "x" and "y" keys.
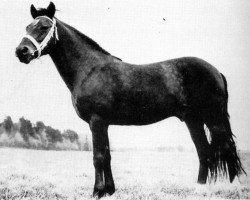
{"x": 43, "y": 44}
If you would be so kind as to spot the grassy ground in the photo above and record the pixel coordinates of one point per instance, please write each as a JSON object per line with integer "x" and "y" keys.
{"x": 33, "y": 174}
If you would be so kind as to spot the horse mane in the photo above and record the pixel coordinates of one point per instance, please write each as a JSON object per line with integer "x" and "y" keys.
{"x": 89, "y": 41}
{"x": 92, "y": 43}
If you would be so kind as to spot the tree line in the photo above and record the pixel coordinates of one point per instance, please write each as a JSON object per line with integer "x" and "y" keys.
{"x": 24, "y": 134}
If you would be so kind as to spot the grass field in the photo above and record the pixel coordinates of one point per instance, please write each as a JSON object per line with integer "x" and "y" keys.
{"x": 33, "y": 174}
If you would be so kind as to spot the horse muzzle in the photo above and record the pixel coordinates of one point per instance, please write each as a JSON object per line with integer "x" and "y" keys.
{"x": 24, "y": 54}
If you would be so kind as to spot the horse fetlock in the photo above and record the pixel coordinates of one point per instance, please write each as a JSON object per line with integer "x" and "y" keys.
{"x": 99, "y": 190}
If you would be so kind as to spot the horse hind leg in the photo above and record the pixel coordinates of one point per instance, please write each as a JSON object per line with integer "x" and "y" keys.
{"x": 196, "y": 129}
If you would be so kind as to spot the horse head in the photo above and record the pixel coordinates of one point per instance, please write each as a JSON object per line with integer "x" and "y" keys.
{"x": 40, "y": 36}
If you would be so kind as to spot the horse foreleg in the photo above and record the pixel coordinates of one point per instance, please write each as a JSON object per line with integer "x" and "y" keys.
{"x": 109, "y": 182}
{"x": 101, "y": 157}
{"x": 196, "y": 128}
{"x": 99, "y": 135}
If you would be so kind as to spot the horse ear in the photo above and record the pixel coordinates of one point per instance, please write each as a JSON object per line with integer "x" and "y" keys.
{"x": 33, "y": 11}
{"x": 51, "y": 9}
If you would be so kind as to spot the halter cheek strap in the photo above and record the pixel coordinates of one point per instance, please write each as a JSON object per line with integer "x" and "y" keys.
{"x": 43, "y": 44}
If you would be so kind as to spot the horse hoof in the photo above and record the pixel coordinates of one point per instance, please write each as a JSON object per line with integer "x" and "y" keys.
{"x": 99, "y": 192}
{"x": 110, "y": 189}
{"x": 201, "y": 181}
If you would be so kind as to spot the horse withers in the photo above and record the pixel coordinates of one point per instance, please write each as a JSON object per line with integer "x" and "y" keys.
{"x": 107, "y": 91}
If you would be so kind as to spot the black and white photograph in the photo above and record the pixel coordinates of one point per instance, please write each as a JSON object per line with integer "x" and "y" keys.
{"x": 124, "y": 100}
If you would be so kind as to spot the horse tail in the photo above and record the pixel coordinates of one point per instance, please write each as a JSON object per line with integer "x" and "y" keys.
{"x": 225, "y": 107}
{"x": 224, "y": 156}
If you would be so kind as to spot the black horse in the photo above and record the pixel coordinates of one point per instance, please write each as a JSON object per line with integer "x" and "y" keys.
{"x": 106, "y": 91}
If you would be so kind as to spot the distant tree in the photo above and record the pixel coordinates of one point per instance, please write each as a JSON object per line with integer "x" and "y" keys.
{"x": 26, "y": 129}
{"x": 39, "y": 127}
{"x": 39, "y": 136}
{"x": 53, "y": 135}
{"x": 2, "y": 130}
{"x": 8, "y": 124}
{"x": 70, "y": 135}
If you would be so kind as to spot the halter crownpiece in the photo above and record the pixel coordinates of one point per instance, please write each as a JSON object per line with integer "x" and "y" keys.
{"x": 43, "y": 44}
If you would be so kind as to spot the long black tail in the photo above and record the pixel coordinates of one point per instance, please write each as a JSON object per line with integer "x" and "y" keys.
{"x": 226, "y": 96}
{"x": 224, "y": 157}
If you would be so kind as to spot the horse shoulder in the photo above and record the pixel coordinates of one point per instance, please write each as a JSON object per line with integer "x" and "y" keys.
{"x": 95, "y": 91}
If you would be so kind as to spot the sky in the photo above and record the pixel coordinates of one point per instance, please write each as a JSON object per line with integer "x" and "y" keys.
{"x": 139, "y": 32}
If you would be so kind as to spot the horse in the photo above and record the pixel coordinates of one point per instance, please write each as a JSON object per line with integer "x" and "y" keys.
{"x": 107, "y": 91}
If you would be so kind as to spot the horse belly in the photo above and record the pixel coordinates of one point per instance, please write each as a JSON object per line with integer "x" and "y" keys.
{"x": 143, "y": 109}
{"x": 140, "y": 118}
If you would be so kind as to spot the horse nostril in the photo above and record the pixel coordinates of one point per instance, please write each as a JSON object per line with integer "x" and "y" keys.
{"x": 24, "y": 50}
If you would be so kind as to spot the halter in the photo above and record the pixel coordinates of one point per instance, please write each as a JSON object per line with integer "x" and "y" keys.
{"x": 43, "y": 44}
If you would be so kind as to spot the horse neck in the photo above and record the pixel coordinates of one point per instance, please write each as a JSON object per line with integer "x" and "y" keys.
{"x": 72, "y": 54}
